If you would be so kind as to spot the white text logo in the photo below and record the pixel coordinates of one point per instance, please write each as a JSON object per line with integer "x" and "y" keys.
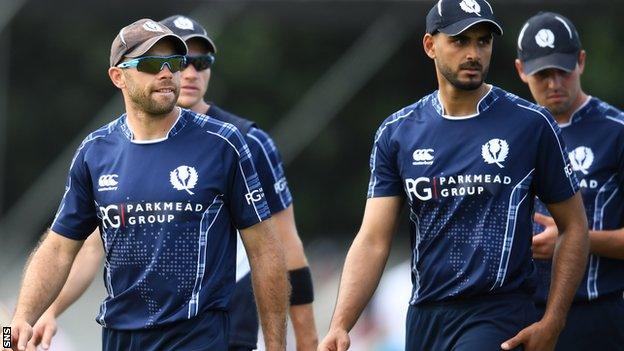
{"x": 110, "y": 219}
{"x": 423, "y": 157}
{"x": 107, "y": 182}
{"x": 495, "y": 151}
{"x": 183, "y": 23}
{"x": 470, "y": 6}
{"x": 581, "y": 158}
{"x": 280, "y": 185}
{"x": 545, "y": 38}
{"x": 254, "y": 196}
{"x": 184, "y": 178}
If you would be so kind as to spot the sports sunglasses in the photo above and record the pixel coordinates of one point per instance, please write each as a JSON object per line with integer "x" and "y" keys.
{"x": 200, "y": 62}
{"x": 155, "y": 64}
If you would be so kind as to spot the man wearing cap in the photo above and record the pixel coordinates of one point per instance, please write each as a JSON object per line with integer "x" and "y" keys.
{"x": 469, "y": 159}
{"x": 267, "y": 161}
{"x": 168, "y": 189}
{"x": 551, "y": 61}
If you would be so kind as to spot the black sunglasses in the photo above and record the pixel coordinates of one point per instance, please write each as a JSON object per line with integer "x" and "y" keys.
{"x": 200, "y": 62}
{"x": 155, "y": 64}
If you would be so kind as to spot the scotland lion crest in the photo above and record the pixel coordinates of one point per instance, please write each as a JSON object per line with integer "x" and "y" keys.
{"x": 184, "y": 178}
{"x": 495, "y": 151}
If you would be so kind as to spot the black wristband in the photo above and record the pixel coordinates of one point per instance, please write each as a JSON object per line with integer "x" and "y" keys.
{"x": 301, "y": 283}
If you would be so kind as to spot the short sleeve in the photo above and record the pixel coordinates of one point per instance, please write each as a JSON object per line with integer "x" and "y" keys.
{"x": 244, "y": 194}
{"x": 76, "y": 217}
{"x": 385, "y": 179}
{"x": 555, "y": 180}
{"x": 268, "y": 163}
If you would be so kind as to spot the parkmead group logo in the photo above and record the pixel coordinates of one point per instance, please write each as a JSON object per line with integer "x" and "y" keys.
{"x": 470, "y": 6}
{"x": 545, "y": 38}
{"x": 184, "y": 178}
{"x": 581, "y": 159}
{"x": 495, "y": 151}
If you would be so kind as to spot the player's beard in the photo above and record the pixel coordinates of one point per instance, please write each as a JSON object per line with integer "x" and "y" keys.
{"x": 142, "y": 97}
{"x": 453, "y": 76}
{"x": 561, "y": 108}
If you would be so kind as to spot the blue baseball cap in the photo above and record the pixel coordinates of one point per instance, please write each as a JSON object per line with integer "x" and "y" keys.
{"x": 548, "y": 40}
{"x": 452, "y": 17}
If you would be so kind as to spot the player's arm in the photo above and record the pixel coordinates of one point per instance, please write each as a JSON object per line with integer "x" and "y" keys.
{"x": 569, "y": 260}
{"x": 46, "y": 271}
{"x": 83, "y": 271}
{"x": 607, "y": 243}
{"x": 270, "y": 284}
{"x": 363, "y": 268}
{"x": 301, "y": 312}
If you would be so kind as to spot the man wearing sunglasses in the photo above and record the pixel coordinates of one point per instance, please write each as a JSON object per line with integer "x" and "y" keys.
{"x": 244, "y": 325}
{"x": 168, "y": 188}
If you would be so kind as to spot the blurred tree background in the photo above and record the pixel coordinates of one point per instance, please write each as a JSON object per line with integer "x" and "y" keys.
{"x": 270, "y": 55}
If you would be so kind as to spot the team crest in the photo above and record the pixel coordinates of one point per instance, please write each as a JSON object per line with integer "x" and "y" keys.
{"x": 152, "y": 26}
{"x": 581, "y": 159}
{"x": 183, "y": 23}
{"x": 545, "y": 38}
{"x": 495, "y": 151}
{"x": 184, "y": 178}
{"x": 470, "y": 6}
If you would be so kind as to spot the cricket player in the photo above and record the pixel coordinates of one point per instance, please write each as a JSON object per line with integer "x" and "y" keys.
{"x": 469, "y": 160}
{"x": 551, "y": 61}
{"x": 243, "y": 317}
{"x": 168, "y": 189}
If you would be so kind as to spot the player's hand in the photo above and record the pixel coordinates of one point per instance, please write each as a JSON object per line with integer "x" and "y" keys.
{"x": 21, "y": 332}
{"x": 539, "y": 336}
{"x": 544, "y": 243}
{"x": 335, "y": 340}
{"x": 43, "y": 331}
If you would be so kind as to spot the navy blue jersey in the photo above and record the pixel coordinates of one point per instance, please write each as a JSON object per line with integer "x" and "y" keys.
{"x": 595, "y": 139}
{"x": 168, "y": 211}
{"x": 470, "y": 183}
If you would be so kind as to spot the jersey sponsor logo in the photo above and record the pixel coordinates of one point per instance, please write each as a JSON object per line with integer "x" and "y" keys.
{"x": 581, "y": 158}
{"x": 184, "y": 178}
{"x": 107, "y": 182}
{"x": 131, "y": 214}
{"x": 470, "y": 6}
{"x": 254, "y": 196}
{"x": 424, "y": 188}
{"x": 152, "y": 26}
{"x": 280, "y": 185}
{"x": 423, "y": 157}
{"x": 545, "y": 38}
{"x": 495, "y": 151}
{"x": 183, "y": 23}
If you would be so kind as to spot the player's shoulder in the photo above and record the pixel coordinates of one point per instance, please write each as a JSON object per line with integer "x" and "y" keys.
{"x": 102, "y": 133}
{"x": 611, "y": 115}
{"x": 537, "y": 115}
{"x": 216, "y": 129}
{"x": 407, "y": 113}
{"x": 243, "y": 124}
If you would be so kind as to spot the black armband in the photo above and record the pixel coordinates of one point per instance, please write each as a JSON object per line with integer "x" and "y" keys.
{"x": 301, "y": 283}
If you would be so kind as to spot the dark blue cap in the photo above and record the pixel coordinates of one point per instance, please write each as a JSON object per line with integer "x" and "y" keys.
{"x": 452, "y": 17}
{"x": 548, "y": 40}
{"x": 187, "y": 28}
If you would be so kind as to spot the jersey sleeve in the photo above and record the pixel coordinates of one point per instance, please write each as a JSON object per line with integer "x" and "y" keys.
{"x": 385, "y": 179}
{"x": 268, "y": 163}
{"x": 244, "y": 194}
{"x": 76, "y": 217}
{"x": 555, "y": 179}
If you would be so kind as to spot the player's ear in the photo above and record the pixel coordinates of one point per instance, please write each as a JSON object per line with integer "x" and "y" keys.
{"x": 520, "y": 71}
{"x": 581, "y": 61}
{"x": 429, "y": 45}
{"x": 117, "y": 77}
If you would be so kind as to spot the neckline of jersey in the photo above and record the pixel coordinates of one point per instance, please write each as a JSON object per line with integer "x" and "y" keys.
{"x": 175, "y": 128}
{"x": 578, "y": 114}
{"x": 483, "y": 104}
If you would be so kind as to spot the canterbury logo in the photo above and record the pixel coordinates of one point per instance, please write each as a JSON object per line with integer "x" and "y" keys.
{"x": 470, "y": 6}
{"x": 423, "y": 157}
{"x": 581, "y": 159}
{"x": 545, "y": 38}
{"x": 495, "y": 151}
{"x": 184, "y": 178}
{"x": 107, "y": 180}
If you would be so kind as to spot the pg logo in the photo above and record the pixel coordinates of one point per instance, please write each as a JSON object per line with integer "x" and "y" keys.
{"x": 254, "y": 196}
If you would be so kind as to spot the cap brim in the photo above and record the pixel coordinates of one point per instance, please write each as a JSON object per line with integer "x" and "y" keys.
{"x": 180, "y": 45}
{"x": 208, "y": 41}
{"x": 566, "y": 62}
{"x": 458, "y": 27}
